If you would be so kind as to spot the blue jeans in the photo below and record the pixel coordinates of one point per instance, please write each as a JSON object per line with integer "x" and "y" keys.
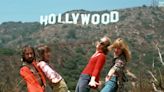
{"x": 111, "y": 85}
{"x": 82, "y": 85}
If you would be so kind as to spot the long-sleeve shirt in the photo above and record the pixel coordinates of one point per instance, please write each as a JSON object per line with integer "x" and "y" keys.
{"x": 33, "y": 77}
{"x": 95, "y": 65}
{"x": 119, "y": 66}
{"x": 51, "y": 74}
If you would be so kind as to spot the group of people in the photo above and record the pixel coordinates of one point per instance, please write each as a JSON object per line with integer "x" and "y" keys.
{"x": 36, "y": 71}
{"x": 115, "y": 78}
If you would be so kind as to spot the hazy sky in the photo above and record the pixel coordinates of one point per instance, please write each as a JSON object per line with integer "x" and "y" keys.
{"x": 30, "y": 10}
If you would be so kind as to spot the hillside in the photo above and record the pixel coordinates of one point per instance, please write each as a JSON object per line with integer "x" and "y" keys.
{"x": 72, "y": 45}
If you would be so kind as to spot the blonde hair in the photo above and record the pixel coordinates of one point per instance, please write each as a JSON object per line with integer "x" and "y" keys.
{"x": 120, "y": 43}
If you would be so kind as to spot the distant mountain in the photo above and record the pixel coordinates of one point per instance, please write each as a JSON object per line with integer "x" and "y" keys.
{"x": 72, "y": 45}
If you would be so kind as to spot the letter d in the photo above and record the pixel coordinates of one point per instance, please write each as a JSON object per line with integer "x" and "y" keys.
{"x": 114, "y": 16}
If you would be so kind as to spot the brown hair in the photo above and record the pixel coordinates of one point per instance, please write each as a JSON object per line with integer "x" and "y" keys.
{"x": 120, "y": 43}
{"x": 41, "y": 49}
{"x": 24, "y": 50}
{"x": 105, "y": 41}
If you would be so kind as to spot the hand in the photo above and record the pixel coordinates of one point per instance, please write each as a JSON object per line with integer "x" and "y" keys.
{"x": 93, "y": 83}
{"x": 107, "y": 78}
{"x": 100, "y": 83}
{"x": 134, "y": 79}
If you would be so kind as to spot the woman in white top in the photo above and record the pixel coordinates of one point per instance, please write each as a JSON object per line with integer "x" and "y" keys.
{"x": 56, "y": 81}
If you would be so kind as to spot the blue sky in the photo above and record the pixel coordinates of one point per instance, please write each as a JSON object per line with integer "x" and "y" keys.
{"x": 31, "y": 10}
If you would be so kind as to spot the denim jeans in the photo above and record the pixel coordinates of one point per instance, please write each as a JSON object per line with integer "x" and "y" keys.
{"x": 111, "y": 85}
{"x": 82, "y": 85}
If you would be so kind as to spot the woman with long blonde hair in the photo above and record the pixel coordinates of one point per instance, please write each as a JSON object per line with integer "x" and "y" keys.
{"x": 116, "y": 75}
